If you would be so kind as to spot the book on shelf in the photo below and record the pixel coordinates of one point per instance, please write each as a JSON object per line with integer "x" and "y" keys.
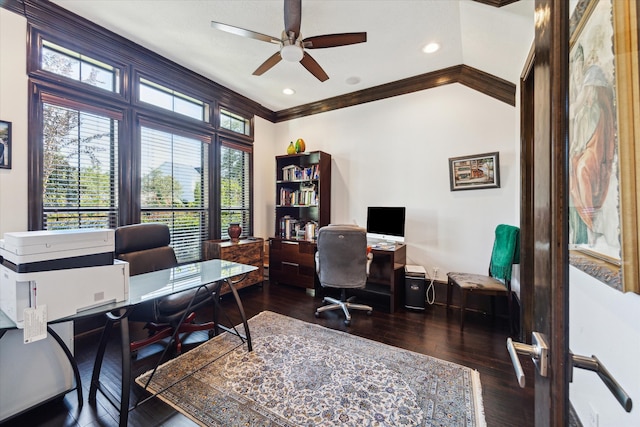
{"x": 297, "y": 173}
{"x": 306, "y": 196}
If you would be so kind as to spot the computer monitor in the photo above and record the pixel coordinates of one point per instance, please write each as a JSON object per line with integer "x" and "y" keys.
{"x": 385, "y": 223}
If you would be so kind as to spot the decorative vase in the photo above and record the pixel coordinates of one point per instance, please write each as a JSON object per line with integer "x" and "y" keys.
{"x": 300, "y": 146}
{"x": 291, "y": 149}
{"x": 234, "y": 231}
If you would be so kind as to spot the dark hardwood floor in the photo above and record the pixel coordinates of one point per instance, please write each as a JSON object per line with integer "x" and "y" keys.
{"x": 435, "y": 332}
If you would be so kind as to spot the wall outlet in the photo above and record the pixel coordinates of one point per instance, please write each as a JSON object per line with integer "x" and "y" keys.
{"x": 593, "y": 420}
{"x": 435, "y": 272}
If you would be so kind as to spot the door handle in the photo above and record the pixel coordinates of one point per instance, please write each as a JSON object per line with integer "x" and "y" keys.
{"x": 538, "y": 351}
{"x": 593, "y": 364}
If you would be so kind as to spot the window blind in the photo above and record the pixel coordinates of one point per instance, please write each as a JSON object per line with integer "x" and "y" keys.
{"x": 174, "y": 188}
{"x": 235, "y": 186}
{"x": 80, "y": 175}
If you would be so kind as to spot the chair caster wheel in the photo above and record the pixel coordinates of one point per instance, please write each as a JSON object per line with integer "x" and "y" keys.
{"x": 134, "y": 354}
{"x": 211, "y": 333}
{"x": 347, "y": 322}
{"x": 369, "y": 313}
{"x": 317, "y": 315}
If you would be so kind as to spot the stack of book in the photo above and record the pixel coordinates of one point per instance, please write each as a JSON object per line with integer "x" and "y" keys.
{"x": 307, "y": 196}
{"x": 297, "y": 173}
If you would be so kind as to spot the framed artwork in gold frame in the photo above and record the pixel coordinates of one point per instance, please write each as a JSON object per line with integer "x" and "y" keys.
{"x": 603, "y": 122}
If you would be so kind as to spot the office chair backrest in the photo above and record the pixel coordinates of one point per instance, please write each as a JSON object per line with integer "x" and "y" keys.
{"x": 145, "y": 247}
{"x": 342, "y": 256}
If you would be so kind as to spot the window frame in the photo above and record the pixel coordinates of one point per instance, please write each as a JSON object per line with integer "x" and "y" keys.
{"x": 60, "y": 27}
{"x": 248, "y": 148}
{"x": 34, "y": 69}
{"x": 248, "y": 138}
{"x": 143, "y": 105}
{"x": 42, "y": 94}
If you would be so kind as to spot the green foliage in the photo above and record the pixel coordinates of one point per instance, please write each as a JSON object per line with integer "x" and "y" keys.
{"x": 160, "y": 190}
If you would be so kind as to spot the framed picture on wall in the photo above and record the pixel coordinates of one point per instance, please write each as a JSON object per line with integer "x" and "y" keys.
{"x": 474, "y": 172}
{"x": 5, "y": 145}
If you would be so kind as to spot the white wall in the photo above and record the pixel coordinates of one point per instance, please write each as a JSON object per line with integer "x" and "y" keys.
{"x": 395, "y": 152}
{"x": 13, "y": 108}
{"x": 264, "y": 152}
{"x": 606, "y": 323}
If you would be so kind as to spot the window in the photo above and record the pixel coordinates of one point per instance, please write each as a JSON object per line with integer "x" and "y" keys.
{"x": 65, "y": 62}
{"x": 80, "y": 187}
{"x": 116, "y": 142}
{"x": 173, "y": 176}
{"x": 234, "y": 122}
{"x": 163, "y": 97}
{"x": 235, "y": 188}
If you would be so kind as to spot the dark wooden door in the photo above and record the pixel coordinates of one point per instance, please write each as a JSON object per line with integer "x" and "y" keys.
{"x": 545, "y": 268}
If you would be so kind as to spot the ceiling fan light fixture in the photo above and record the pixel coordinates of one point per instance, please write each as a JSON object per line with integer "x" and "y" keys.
{"x": 291, "y": 53}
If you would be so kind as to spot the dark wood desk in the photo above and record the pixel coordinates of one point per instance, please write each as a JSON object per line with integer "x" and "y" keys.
{"x": 386, "y": 274}
{"x": 292, "y": 262}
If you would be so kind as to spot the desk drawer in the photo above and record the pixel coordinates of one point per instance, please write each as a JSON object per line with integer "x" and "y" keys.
{"x": 292, "y": 262}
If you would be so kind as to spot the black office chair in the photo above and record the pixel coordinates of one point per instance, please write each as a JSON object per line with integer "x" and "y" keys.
{"x": 146, "y": 248}
{"x": 342, "y": 262}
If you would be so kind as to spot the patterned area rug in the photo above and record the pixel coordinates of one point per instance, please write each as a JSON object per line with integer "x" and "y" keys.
{"x": 301, "y": 374}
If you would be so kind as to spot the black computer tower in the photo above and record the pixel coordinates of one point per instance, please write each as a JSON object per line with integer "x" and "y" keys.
{"x": 415, "y": 290}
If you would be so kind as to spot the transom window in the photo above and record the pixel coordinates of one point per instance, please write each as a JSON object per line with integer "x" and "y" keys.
{"x": 169, "y": 99}
{"x": 76, "y": 66}
{"x": 234, "y": 122}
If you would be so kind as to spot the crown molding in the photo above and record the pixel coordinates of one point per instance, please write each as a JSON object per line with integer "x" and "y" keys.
{"x": 473, "y": 78}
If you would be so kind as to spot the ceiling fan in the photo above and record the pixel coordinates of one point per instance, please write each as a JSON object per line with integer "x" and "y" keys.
{"x": 292, "y": 45}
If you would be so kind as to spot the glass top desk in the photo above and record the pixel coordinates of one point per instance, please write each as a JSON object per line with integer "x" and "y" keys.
{"x": 142, "y": 288}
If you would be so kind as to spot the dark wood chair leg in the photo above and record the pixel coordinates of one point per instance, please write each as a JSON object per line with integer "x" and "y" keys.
{"x": 463, "y": 304}
{"x": 512, "y": 330}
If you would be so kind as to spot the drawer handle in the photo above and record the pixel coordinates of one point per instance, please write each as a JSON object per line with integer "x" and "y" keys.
{"x": 293, "y": 264}
{"x": 289, "y": 242}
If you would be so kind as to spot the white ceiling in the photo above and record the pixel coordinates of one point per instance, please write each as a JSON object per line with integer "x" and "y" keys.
{"x": 494, "y": 40}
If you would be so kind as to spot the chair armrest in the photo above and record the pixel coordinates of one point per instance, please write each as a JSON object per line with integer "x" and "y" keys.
{"x": 317, "y": 257}
{"x": 369, "y": 261}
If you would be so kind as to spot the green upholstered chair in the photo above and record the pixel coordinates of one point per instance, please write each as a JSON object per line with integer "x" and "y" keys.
{"x": 505, "y": 253}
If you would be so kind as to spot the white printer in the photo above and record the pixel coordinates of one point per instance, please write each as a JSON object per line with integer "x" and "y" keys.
{"x": 68, "y": 270}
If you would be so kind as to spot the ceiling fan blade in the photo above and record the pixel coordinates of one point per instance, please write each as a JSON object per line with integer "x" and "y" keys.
{"x": 266, "y": 65}
{"x": 334, "y": 40}
{"x": 292, "y": 17}
{"x": 314, "y": 68}
{"x": 244, "y": 33}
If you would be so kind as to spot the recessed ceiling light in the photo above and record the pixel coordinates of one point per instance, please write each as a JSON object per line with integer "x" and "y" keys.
{"x": 288, "y": 91}
{"x": 431, "y": 47}
{"x": 353, "y": 80}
